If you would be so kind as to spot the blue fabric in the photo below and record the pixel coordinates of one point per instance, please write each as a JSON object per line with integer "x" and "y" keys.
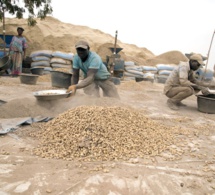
{"x": 208, "y": 74}
{"x": 93, "y": 62}
{"x": 8, "y": 39}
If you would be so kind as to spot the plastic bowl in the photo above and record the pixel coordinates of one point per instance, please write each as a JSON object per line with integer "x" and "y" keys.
{"x": 5, "y": 63}
{"x": 37, "y": 71}
{"x": 61, "y": 79}
{"x": 29, "y": 79}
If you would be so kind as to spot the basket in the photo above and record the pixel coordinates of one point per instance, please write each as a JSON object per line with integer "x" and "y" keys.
{"x": 61, "y": 79}
{"x": 206, "y": 103}
{"x": 37, "y": 71}
{"x": 5, "y": 63}
{"x": 29, "y": 79}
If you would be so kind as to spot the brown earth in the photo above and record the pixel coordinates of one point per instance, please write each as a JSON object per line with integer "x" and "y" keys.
{"x": 188, "y": 169}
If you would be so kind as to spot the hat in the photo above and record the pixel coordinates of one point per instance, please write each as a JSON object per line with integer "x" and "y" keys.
{"x": 20, "y": 28}
{"x": 198, "y": 58}
{"x": 82, "y": 44}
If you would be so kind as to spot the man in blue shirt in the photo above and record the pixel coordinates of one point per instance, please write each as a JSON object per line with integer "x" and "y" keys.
{"x": 95, "y": 72}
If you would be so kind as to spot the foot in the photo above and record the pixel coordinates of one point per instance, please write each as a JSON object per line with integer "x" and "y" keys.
{"x": 172, "y": 105}
{"x": 181, "y": 104}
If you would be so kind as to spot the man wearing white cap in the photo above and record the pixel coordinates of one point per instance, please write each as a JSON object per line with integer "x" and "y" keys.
{"x": 95, "y": 72}
{"x": 181, "y": 83}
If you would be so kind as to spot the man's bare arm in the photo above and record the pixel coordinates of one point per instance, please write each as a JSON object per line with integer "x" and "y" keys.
{"x": 75, "y": 76}
{"x": 88, "y": 80}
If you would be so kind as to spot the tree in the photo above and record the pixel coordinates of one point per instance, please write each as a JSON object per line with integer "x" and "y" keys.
{"x": 34, "y": 8}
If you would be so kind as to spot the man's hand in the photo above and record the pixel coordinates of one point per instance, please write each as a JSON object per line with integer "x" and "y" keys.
{"x": 205, "y": 91}
{"x": 72, "y": 89}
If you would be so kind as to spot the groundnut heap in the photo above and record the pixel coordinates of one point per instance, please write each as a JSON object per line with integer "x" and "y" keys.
{"x": 95, "y": 133}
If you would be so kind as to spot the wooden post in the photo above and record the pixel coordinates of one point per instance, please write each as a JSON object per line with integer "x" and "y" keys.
{"x": 208, "y": 56}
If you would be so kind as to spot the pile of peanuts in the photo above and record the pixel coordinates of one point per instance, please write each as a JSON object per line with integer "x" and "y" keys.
{"x": 97, "y": 133}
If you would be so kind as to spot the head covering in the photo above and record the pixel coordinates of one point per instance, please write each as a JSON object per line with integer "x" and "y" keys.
{"x": 198, "y": 58}
{"x": 82, "y": 44}
{"x": 20, "y": 28}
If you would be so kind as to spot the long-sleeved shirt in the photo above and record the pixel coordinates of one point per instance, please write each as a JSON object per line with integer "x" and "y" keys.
{"x": 182, "y": 75}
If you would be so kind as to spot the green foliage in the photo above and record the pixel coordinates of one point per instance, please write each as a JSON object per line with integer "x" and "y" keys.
{"x": 34, "y": 8}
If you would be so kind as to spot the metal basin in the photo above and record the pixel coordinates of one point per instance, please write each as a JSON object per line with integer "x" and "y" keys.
{"x": 37, "y": 70}
{"x": 5, "y": 63}
{"x": 29, "y": 79}
{"x": 206, "y": 103}
{"x": 48, "y": 95}
{"x": 61, "y": 79}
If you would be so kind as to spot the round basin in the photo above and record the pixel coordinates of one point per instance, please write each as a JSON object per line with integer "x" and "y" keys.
{"x": 29, "y": 79}
{"x": 206, "y": 103}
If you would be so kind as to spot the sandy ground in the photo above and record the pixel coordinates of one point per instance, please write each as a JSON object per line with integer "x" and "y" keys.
{"x": 190, "y": 171}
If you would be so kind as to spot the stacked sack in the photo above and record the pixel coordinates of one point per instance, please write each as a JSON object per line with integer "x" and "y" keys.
{"x": 62, "y": 60}
{"x": 41, "y": 58}
{"x": 163, "y": 71}
{"x": 50, "y": 60}
{"x": 149, "y": 71}
{"x": 132, "y": 71}
{"x": 202, "y": 74}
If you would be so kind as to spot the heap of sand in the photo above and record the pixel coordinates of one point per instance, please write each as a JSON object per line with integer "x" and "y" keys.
{"x": 52, "y": 34}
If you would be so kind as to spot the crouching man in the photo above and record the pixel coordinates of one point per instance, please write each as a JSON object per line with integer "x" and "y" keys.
{"x": 181, "y": 83}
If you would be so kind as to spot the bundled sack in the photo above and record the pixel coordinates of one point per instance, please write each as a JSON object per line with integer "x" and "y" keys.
{"x": 40, "y": 58}
{"x": 206, "y": 75}
{"x": 47, "y": 53}
{"x": 149, "y": 75}
{"x": 47, "y": 70}
{"x": 56, "y": 65}
{"x": 165, "y": 67}
{"x": 66, "y": 56}
{"x": 135, "y": 72}
{"x": 136, "y": 68}
{"x": 150, "y": 69}
{"x": 161, "y": 78}
{"x": 60, "y": 61}
{"x": 129, "y": 63}
{"x": 164, "y": 72}
{"x": 129, "y": 74}
{"x": 40, "y": 63}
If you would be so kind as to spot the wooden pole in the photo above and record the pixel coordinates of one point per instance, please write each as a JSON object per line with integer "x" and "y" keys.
{"x": 115, "y": 42}
{"x": 4, "y": 32}
{"x": 208, "y": 55}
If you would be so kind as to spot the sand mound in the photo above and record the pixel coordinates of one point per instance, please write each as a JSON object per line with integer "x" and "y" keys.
{"x": 52, "y": 34}
{"x": 171, "y": 57}
{"x": 25, "y": 107}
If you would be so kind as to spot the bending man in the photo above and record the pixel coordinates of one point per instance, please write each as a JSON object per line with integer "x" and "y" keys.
{"x": 95, "y": 72}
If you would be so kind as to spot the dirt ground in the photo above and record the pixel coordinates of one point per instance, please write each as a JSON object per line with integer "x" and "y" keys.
{"x": 190, "y": 171}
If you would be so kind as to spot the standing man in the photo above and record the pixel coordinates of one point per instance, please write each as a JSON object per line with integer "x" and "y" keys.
{"x": 181, "y": 83}
{"x": 17, "y": 51}
{"x": 95, "y": 72}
